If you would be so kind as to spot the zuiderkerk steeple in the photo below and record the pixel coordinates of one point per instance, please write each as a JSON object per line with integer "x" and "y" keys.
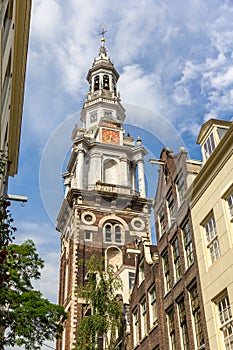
{"x": 105, "y": 208}
{"x": 103, "y": 93}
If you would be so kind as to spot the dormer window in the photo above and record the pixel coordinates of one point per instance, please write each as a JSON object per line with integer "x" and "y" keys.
{"x": 209, "y": 146}
{"x": 96, "y": 83}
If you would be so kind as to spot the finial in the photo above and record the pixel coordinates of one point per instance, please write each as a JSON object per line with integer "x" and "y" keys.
{"x": 103, "y": 50}
{"x": 139, "y": 141}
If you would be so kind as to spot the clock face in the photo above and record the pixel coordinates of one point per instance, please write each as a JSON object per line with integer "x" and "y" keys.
{"x": 110, "y": 136}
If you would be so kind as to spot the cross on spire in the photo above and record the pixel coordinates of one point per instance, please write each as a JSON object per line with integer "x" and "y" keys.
{"x": 103, "y": 50}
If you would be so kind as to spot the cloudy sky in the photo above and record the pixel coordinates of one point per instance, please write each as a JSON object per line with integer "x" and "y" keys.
{"x": 175, "y": 64}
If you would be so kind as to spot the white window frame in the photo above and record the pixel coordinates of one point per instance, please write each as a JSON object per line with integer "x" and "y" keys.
{"x": 183, "y": 325}
{"x": 176, "y": 259}
{"x": 161, "y": 222}
{"x": 135, "y": 327}
{"x": 131, "y": 279}
{"x": 209, "y": 146}
{"x": 167, "y": 272}
{"x": 188, "y": 243}
{"x": 171, "y": 328}
{"x": 229, "y": 200}
{"x": 141, "y": 272}
{"x": 212, "y": 239}
{"x": 225, "y": 320}
{"x": 170, "y": 207}
{"x": 143, "y": 314}
{"x": 152, "y": 306}
{"x": 180, "y": 188}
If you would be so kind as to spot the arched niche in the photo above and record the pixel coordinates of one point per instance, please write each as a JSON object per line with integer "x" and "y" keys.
{"x": 110, "y": 171}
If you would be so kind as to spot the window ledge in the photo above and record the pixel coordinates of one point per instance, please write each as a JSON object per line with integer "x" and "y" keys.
{"x": 154, "y": 326}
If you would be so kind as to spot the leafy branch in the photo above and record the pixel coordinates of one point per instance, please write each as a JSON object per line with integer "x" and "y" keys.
{"x": 100, "y": 293}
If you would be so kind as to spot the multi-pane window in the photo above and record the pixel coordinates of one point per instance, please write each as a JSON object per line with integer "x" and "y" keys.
{"x": 188, "y": 244}
{"x": 131, "y": 279}
{"x": 171, "y": 329}
{"x": 141, "y": 272}
{"x": 108, "y": 233}
{"x": 88, "y": 235}
{"x": 230, "y": 205}
{"x": 161, "y": 220}
{"x": 152, "y": 306}
{"x": 180, "y": 188}
{"x": 171, "y": 206}
{"x": 143, "y": 317}
{"x": 183, "y": 324}
{"x": 112, "y": 233}
{"x": 176, "y": 259}
{"x": 196, "y": 314}
{"x": 226, "y": 321}
{"x": 212, "y": 239}
{"x": 117, "y": 234}
{"x": 209, "y": 146}
{"x": 135, "y": 327}
{"x": 167, "y": 277}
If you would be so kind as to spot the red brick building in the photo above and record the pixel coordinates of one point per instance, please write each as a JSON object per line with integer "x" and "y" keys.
{"x": 172, "y": 277}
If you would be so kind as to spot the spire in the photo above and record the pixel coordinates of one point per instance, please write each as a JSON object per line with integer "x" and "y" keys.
{"x": 103, "y": 49}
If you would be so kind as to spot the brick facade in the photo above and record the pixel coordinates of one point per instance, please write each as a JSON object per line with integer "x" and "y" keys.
{"x": 181, "y": 318}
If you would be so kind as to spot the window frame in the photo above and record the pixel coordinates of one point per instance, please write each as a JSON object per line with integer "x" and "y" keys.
{"x": 180, "y": 187}
{"x": 135, "y": 326}
{"x": 196, "y": 317}
{"x": 176, "y": 259}
{"x": 110, "y": 234}
{"x": 141, "y": 272}
{"x": 187, "y": 243}
{"x": 167, "y": 273}
{"x": 161, "y": 222}
{"x": 153, "y": 313}
{"x": 209, "y": 145}
{"x": 171, "y": 328}
{"x": 212, "y": 238}
{"x": 143, "y": 317}
{"x": 225, "y": 319}
{"x": 183, "y": 325}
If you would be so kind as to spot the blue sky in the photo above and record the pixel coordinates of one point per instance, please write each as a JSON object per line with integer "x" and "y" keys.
{"x": 175, "y": 65}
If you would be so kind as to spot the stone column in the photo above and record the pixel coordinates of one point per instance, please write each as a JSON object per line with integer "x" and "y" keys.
{"x": 124, "y": 171}
{"x": 80, "y": 168}
{"x": 94, "y": 174}
{"x": 141, "y": 179}
{"x": 133, "y": 177}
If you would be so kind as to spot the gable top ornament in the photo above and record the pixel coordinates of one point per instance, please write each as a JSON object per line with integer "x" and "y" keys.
{"x": 102, "y": 49}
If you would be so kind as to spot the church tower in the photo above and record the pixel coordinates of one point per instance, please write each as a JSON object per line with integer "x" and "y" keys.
{"x": 105, "y": 209}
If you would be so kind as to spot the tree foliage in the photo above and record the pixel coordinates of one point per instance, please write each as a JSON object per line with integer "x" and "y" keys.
{"x": 100, "y": 292}
{"x": 26, "y": 318}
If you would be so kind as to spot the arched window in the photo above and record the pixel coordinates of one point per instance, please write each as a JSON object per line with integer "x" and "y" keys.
{"x": 96, "y": 83}
{"x": 106, "y": 82}
{"x": 113, "y": 232}
{"x": 108, "y": 233}
{"x": 117, "y": 234}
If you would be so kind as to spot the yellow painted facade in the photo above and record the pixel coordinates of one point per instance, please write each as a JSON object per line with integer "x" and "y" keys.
{"x": 14, "y": 27}
{"x": 213, "y": 231}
